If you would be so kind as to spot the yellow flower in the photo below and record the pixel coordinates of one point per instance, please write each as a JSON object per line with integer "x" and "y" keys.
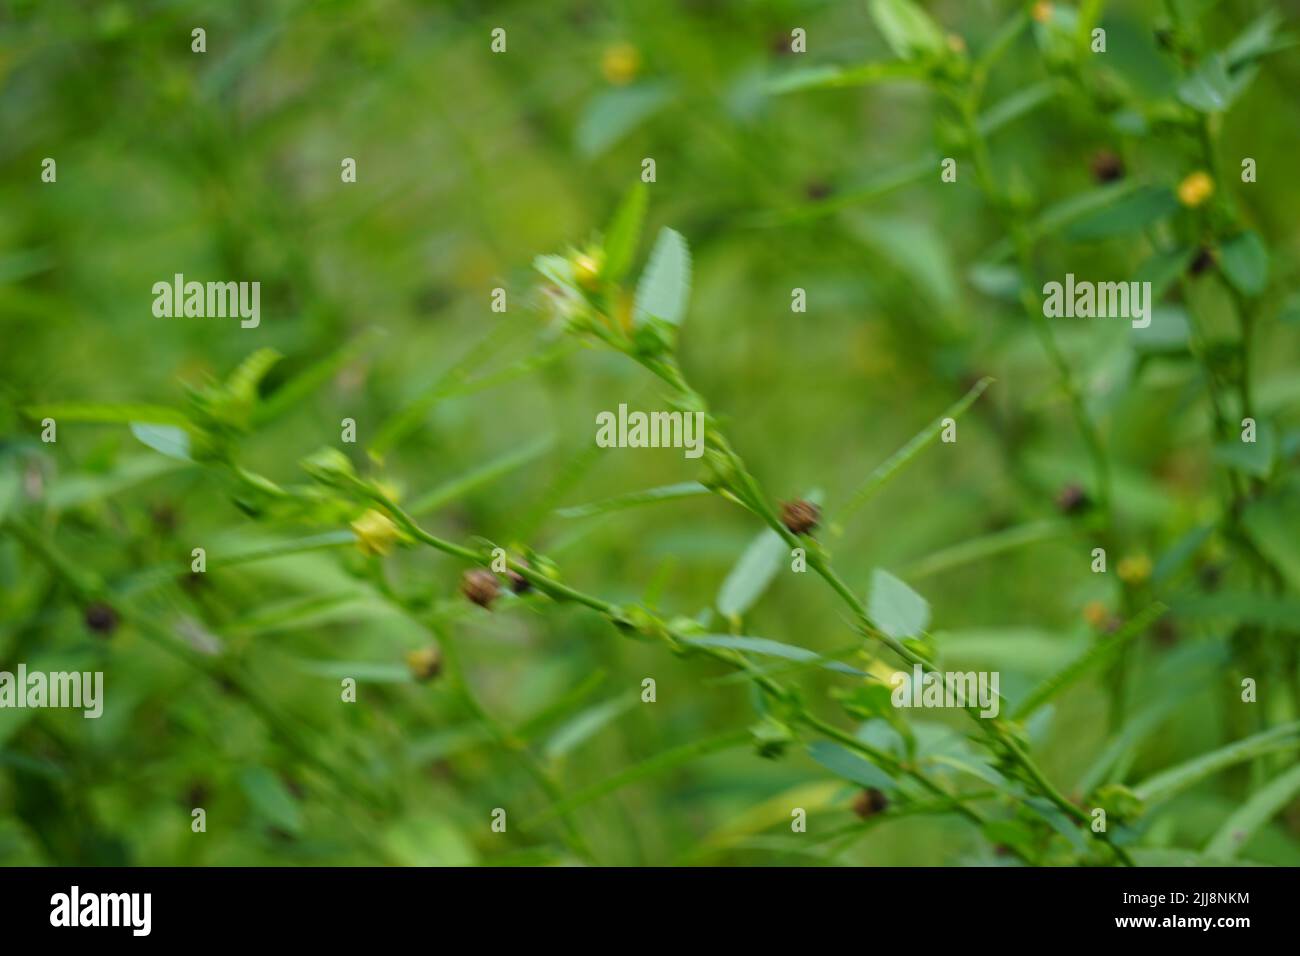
{"x": 376, "y": 533}
{"x": 1042, "y": 11}
{"x": 620, "y": 63}
{"x": 1135, "y": 569}
{"x": 1195, "y": 189}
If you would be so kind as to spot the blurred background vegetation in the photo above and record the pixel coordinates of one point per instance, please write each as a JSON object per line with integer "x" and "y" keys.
{"x": 225, "y": 166}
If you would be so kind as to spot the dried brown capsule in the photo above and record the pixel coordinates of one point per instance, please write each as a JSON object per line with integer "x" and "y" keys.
{"x": 869, "y": 802}
{"x": 518, "y": 583}
{"x": 1072, "y": 500}
{"x": 817, "y": 190}
{"x": 800, "y": 517}
{"x": 1107, "y": 166}
{"x": 101, "y": 618}
{"x": 1202, "y": 262}
{"x": 480, "y": 586}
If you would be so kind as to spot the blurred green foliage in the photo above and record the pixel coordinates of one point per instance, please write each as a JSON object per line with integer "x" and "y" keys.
{"x": 817, "y": 170}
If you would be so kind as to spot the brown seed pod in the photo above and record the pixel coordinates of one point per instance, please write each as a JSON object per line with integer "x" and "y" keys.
{"x": 518, "y": 583}
{"x": 869, "y": 802}
{"x": 101, "y": 619}
{"x": 800, "y": 517}
{"x": 1202, "y": 262}
{"x": 1107, "y": 166}
{"x": 1072, "y": 500}
{"x": 817, "y": 190}
{"x": 480, "y": 586}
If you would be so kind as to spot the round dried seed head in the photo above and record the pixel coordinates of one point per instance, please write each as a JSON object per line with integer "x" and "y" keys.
{"x": 869, "y": 802}
{"x": 518, "y": 583}
{"x": 1107, "y": 166}
{"x": 101, "y": 619}
{"x": 480, "y": 586}
{"x": 1072, "y": 500}
{"x": 800, "y": 517}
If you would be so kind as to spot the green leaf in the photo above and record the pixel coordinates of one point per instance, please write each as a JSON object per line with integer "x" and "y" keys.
{"x": 587, "y": 724}
{"x": 1208, "y": 89}
{"x": 1271, "y": 522}
{"x": 1016, "y": 105}
{"x": 895, "y": 608}
{"x": 1253, "y": 457}
{"x": 916, "y": 251}
{"x": 372, "y": 672}
{"x": 1131, "y": 213}
{"x": 767, "y": 648}
{"x": 1168, "y": 333}
{"x": 1244, "y": 260}
{"x": 1166, "y": 784}
{"x": 1255, "y": 41}
{"x": 976, "y": 549}
{"x": 1261, "y": 807}
{"x": 90, "y": 413}
{"x": 1243, "y": 607}
{"x": 826, "y": 77}
{"x": 1101, "y": 652}
{"x": 624, "y": 233}
{"x": 613, "y": 114}
{"x": 752, "y": 574}
{"x": 168, "y": 440}
{"x": 271, "y": 799}
{"x": 845, "y": 763}
{"x": 633, "y": 499}
{"x": 908, "y": 29}
{"x": 1056, "y": 217}
{"x": 243, "y": 381}
{"x": 666, "y": 283}
{"x": 892, "y": 465}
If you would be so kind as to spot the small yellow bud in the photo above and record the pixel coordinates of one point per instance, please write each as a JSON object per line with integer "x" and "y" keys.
{"x": 1042, "y": 11}
{"x": 956, "y": 43}
{"x": 1095, "y": 613}
{"x": 376, "y": 533}
{"x": 425, "y": 663}
{"x": 388, "y": 490}
{"x": 586, "y": 270}
{"x": 1135, "y": 569}
{"x": 1195, "y": 189}
{"x": 620, "y": 63}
